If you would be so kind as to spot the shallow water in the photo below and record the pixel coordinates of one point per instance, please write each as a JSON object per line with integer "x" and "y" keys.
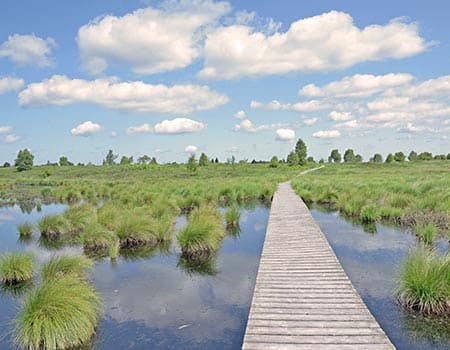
{"x": 152, "y": 300}
{"x": 372, "y": 259}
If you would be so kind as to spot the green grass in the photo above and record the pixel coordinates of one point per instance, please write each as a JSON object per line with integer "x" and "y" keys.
{"x": 424, "y": 284}
{"x": 135, "y": 227}
{"x": 232, "y": 216}
{"x": 25, "y": 230}
{"x": 426, "y": 232}
{"x": 203, "y": 233}
{"x": 60, "y": 266}
{"x": 53, "y": 226}
{"x": 16, "y": 267}
{"x": 79, "y": 217}
{"x": 97, "y": 237}
{"x": 62, "y": 313}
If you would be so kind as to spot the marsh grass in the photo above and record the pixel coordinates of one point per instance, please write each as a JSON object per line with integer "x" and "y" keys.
{"x": 97, "y": 237}
{"x": 369, "y": 214}
{"x": 424, "y": 283}
{"x": 199, "y": 265}
{"x": 162, "y": 227}
{"x": 426, "y": 232}
{"x": 79, "y": 217}
{"x": 25, "y": 230}
{"x": 61, "y": 266}
{"x": 135, "y": 228}
{"x": 62, "y": 313}
{"x": 203, "y": 233}
{"x": 232, "y": 216}
{"x": 16, "y": 267}
{"x": 114, "y": 248}
{"x": 53, "y": 226}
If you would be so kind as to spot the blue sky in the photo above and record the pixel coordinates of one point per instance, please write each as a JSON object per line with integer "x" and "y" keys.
{"x": 243, "y": 78}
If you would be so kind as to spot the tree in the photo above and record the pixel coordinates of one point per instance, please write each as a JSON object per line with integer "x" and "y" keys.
{"x": 377, "y": 158}
{"x": 145, "y": 159}
{"x": 6, "y": 165}
{"x": 153, "y": 161}
{"x": 292, "y": 158}
{"x": 439, "y": 157}
{"x": 273, "y": 162}
{"x": 126, "y": 160}
{"x": 358, "y": 158}
{"x": 64, "y": 161}
{"x": 302, "y": 151}
{"x": 203, "y": 160}
{"x": 217, "y": 160}
{"x": 192, "y": 164}
{"x": 24, "y": 160}
{"x": 335, "y": 156}
{"x": 110, "y": 158}
{"x": 389, "y": 158}
{"x": 448, "y": 156}
{"x": 412, "y": 156}
{"x": 349, "y": 156}
{"x": 310, "y": 160}
{"x": 425, "y": 156}
{"x": 399, "y": 157}
{"x": 321, "y": 161}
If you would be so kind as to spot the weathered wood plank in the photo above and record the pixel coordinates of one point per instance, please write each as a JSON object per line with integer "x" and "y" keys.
{"x": 303, "y": 299}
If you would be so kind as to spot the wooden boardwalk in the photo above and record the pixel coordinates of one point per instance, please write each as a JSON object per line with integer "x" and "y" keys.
{"x": 303, "y": 299}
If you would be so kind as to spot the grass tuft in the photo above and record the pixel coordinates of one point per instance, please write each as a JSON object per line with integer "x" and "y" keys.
{"x": 53, "y": 226}
{"x": 25, "y": 230}
{"x": 426, "y": 233}
{"x": 60, "y": 266}
{"x": 16, "y": 267}
{"x": 232, "y": 216}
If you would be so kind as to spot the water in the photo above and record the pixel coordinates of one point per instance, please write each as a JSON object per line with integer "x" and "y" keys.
{"x": 371, "y": 257}
{"x": 153, "y": 300}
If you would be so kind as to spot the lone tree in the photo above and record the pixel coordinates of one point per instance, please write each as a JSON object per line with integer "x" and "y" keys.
{"x": 292, "y": 158}
{"x": 349, "y": 156}
{"x": 24, "y": 160}
{"x": 110, "y": 158}
{"x": 302, "y": 151}
{"x": 377, "y": 158}
{"x": 203, "y": 160}
{"x": 192, "y": 164}
{"x": 274, "y": 162}
{"x": 64, "y": 161}
{"x": 335, "y": 156}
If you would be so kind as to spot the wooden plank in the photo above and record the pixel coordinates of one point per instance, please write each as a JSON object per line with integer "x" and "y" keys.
{"x": 303, "y": 299}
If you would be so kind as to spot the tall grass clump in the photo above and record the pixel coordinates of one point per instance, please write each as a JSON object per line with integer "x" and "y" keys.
{"x": 97, "y": 237}
{"x": 369, "y": 213}
{"x": 16, "y": 267}
{"x": 52, "y": 226}
{"x": 61, "y": 266}
{"x": 426, "y": 233}
{"x": 425, "y": 282}
{"x": 162, "y": 228}
{"x": 25, "y": 230}
{"x": 135, "y": 228}
{"x": 79, "y": 217}
{"x": 203, "y": 233}
{"x": 60, "y": 314}
{"x": 232, "y": 216}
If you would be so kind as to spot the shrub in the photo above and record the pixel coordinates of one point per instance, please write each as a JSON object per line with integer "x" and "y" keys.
{"x": 16, "y": 267}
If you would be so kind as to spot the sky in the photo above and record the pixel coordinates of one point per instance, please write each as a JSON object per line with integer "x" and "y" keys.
{"x": 243, "y": 78}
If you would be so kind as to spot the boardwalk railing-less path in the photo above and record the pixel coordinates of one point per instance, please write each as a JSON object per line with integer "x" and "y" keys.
{"x": 303, "y": 299}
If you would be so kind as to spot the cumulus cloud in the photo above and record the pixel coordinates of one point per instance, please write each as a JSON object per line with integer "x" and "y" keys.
{"x": 134, "y": 96}
{"x": 285, "y": 135}
{"x": 140, "y": 129}
{"x": 28, "y": 50}
{"x": 149, "y": 40}
{"x": 311, "y": 44}
{"x": 310, "y": 121}
{"x": 8, "y": 84}
{"x": 5, "y": 129}
{"x": 11, "y": 138}
{"x": 275, "y": 105}
{"x": 358, "y": 85}
{"x": 86, "y": 129}
{"x": 179, "y": 126}
{"x": 431, "y": 88}
{"x": 248, "y": 126}
{"x": 340, "y": 116}
{"x": 191, "y": 149}
{"x": 327, "y": 134}
{"x": 240, "y": 114}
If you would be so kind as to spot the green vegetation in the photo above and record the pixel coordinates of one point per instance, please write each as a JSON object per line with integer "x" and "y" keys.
{"x": 53, "y": 226}
{"x": 16, "y": 267}
{"x": 424, "y": 284}
{"x": 203, "y": 233}
{"x": 61, "y": 266}
{"x": 24, "y": 160}
{"x": 426, "y": 232}
{"x": 232, "y": 216}
{"x": 62, "y": 313}
{"x": 25, "y": 230}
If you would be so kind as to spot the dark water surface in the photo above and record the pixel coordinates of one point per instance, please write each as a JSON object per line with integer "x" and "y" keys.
{"x": 372, "y": 257}
{"x": 152, "y": 300}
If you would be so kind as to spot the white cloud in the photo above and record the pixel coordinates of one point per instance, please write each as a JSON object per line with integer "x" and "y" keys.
{"x": 340, "y": 116}
{"x": 149, "y": 40}
{"x": 431, "y": 88}
{"x": 388, "y": 103}
{"x": 240, "y": 114}
{"x": 144, "y": 128}
{"x": 11, "y": 138}
{"x": 85, "y": 129}
{"x": 310, "y": 121}
{"x": 179, "y": 126}
{"x": 135, "y": 96}
{"x": 5, "y": 129}
{"x": 327, "y": 134}
{"x": 316, "y": 43}
{"x": 285, "y": 135}
{"x": 191, "y": 149}
{"x": 306, "y": 106}
{"x": 248, "y": 126}
{"x": 8, "y": 84}
{"x": 351, "y": 124}
{"x": 28, "y": 50}
{"x": 113, "y": 133}
{"x": 358, "y": 85}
